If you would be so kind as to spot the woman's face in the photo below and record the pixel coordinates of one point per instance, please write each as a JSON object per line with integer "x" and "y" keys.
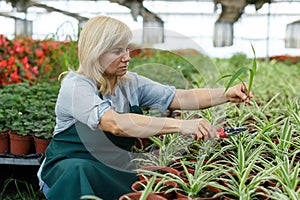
{"x": 115, "y": 61}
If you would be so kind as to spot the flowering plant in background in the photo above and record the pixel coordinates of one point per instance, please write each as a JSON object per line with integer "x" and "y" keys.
{"x": 24, "y": 59}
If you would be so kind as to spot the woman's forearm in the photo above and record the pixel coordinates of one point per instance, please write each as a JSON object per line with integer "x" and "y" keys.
{"x": 133, "y": 125}
{"x": 198, "y": 98}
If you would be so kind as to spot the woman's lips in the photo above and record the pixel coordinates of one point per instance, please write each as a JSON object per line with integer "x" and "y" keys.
{"x": 124, "y": 68}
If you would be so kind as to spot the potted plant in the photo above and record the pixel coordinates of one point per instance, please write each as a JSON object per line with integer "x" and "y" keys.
{"x": 167, "y": 149}
{"x": 42, "y": 135}
{"x": 242, "y": 178}
{"x": 196, "y": 185}
{"x": 160, "y": 187}
{"x": 146, "y": 194}
{"x": 4, "y": 141}
{"x": 287, "y": 175}
{"x": 4, "y": 137}
{"x": 193, "y": 185}
{"x": 20, "y": 139}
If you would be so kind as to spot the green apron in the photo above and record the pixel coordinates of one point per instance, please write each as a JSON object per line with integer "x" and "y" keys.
{"x": 80, "y": 162}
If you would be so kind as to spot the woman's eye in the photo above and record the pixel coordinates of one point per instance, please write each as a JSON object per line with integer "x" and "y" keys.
{"x": 118, "y": 52}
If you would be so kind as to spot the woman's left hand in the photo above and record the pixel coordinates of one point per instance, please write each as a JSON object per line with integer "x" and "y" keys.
{"x": 239, "y": 93}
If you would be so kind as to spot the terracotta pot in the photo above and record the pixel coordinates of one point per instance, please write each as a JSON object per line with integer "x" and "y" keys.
{"x": 137, "y": 195}
{"x": 160, "y": 169}
{"x": 209, "y": 190}
{"x": 4, "y": 142}
{"x": 20, "y": 145}
{"x": 138, "y": 186}
{"x": 41, "y": 145}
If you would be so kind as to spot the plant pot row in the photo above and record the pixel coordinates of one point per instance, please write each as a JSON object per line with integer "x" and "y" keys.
{"x": 11, "y": 142}
{"x": 136, "y": 194}
{"x": 210, "y": 193}
{"x": 207, "y": 193}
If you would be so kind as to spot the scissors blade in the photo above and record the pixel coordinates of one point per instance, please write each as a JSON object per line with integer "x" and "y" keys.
{"x": 235, "y": 131}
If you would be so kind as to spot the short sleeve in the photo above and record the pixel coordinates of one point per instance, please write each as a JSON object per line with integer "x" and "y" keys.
{"x": 153, "y": 94}
{"x": 78, "y": 100}
{"x": 88, "y": 107}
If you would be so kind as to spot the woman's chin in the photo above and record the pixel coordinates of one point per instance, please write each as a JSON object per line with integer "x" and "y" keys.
{"x": 122, "y": 71}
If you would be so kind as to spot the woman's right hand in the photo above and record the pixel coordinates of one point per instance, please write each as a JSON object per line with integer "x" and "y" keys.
{"x": 201, "y": 128}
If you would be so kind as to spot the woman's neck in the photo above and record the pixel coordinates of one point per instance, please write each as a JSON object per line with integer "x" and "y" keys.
{"x": 112, "y": 82}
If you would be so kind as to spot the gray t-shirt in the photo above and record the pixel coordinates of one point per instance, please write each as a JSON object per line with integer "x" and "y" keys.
{"x": 79, "y": 100}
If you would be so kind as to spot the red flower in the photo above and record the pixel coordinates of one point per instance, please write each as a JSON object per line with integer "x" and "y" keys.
{"x": 15, "y": 77}
{"x": 11, "y": 60}
{"x": 24, "y": 61}
{"x": 3, "y": 63}
{"x": 23, "y": 58}
{"x": 35, "y": 70}
{"x": 28, "y": 75}
{"x": 19, "y": 49}
{"x": 39, "y": 53}
{"x": 3, "y": 41}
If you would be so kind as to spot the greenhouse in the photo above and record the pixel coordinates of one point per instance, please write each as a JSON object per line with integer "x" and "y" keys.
{"x": 150, "y": 99}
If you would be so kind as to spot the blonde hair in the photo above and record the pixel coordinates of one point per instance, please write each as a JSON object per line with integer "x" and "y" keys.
{"x": 99, "y": 34}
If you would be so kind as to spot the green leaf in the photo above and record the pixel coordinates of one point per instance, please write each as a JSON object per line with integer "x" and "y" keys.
{"x": 254, "y": 63}
{"x": 241, "y": 157}
{"x": 148, "y": 188}
{"x": 253, "y": 70}
{"x": 236, "y": 76}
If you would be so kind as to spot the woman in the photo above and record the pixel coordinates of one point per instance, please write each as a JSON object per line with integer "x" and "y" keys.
{"x": 98, "y": 116}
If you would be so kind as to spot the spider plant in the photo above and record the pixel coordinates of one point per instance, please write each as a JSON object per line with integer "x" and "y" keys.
{"x": 242, "y": 70}
{"x": 287, "y": 175}
{"x": 191, "y": 184}
{"x": 281, "y": 147}
{"x": 148, "y": 189}
{"x": 294, "y": 110}
{"x": 146, "y": 192}
{"x": 198, "y": 180}
{"x": 242, "y": 177}
{"x": 211, "y": 149}
{"x": 161, "y": 186}
{"x": 168, "y": 149}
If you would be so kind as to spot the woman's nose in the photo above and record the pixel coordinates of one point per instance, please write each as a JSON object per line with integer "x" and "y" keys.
{"x": 126, "y": 56}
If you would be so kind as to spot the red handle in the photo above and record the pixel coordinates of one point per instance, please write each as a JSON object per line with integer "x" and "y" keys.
{"x": 221, "y": 132}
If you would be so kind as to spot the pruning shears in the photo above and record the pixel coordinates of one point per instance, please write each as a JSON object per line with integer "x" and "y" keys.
{"x": 227, "y": 132}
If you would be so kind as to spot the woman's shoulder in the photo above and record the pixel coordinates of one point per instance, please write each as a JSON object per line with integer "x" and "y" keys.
{"x": 74, "y": 80}
{"x": 135, "y": 77}
{"x": 74, "y": 77}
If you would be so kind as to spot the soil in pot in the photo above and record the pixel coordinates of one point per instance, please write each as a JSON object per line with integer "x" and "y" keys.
{"x": 158, "y": 169}
{"x": 208, "y": 193}
{"x": 139, "y": 186}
